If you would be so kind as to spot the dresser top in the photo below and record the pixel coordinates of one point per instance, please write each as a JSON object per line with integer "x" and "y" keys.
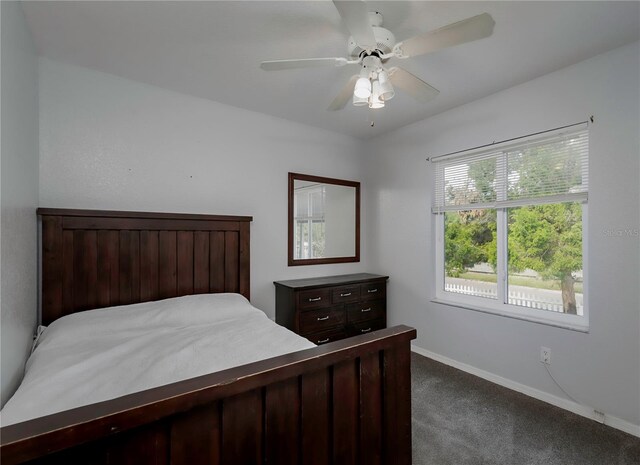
{"x": 307, "y": 283}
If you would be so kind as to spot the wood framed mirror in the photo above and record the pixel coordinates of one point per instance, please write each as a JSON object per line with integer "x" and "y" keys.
{"x": 323, "y": 220}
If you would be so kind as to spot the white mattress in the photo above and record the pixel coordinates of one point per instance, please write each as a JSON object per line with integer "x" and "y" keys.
{"x": 101, "y": 354}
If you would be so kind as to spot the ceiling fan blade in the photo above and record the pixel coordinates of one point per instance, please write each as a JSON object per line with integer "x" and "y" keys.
{"x": 412, "y": 85}
{"x": 276, "y": 65}
{"x": 345, "y": 95}
{"x": 467, "y": 30}
{"x": 355, "y": 14}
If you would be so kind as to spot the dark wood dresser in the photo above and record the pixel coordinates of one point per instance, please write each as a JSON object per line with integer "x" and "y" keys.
{"x": 330, "y": 308}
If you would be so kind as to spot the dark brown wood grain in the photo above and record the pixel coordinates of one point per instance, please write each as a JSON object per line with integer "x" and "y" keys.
{"x": 195, "y": 436}
{"x": 167, "y": 265}
{"x": 184, "y": 251}
{"x": 397, "y": 405}
{"x": 52, "y": 263}
{"x": 242, "y": 428}
{"x": 70, "y": 213}
{"x": 104, "y": 269}
{"x": 114, "y": 265}
{"x": 201, "y": 262}
{"x": 90, "y": 246}
{"x": 244, "y": 259}
{"x": 282, "y": 425}
{"x": 126, "y": 266}
{"x": 67, "y": 259}
{"x": 134, "y": 251}
{"x": 316, "y": 417}
{"x": 231, "y": 261}
{"x": 216, "y": 261}
{"x": 345, "y": 412}
{"x": 149, "y": 264}
{"x": 81, "y": 270}
{"x": 95, "y": 259}
{"x": 138, "y": 224}
{"x": 370, "y": 412}
{"x": 147, "y": 444}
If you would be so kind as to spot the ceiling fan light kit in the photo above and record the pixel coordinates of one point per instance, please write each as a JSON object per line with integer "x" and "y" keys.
{"x": 373, "y": 83}
{"x": 371, "y": 46}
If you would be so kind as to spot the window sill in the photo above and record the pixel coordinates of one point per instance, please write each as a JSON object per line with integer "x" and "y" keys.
{"x": 559, "y": 321}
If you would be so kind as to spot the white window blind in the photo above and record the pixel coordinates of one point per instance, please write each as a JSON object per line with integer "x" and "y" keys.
{"x": 545, "y": 169}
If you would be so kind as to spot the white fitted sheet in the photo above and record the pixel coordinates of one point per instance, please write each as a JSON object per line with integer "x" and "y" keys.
{"x": 101, "y": 354}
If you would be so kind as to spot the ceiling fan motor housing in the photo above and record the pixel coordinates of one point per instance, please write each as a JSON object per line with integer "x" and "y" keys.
{"x": 385, "y": 40}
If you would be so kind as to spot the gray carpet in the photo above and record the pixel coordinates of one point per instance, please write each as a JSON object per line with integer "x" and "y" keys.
{"x": 460, "y": 419}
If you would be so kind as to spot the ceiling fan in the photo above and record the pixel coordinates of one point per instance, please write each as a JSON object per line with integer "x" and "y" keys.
{"x": 371, "y": 46}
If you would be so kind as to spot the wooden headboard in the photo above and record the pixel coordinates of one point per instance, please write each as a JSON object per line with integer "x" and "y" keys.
{"x": 94, "y": 259}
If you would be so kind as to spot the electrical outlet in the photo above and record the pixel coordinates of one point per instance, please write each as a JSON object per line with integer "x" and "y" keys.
{"x": 545, "y": 355}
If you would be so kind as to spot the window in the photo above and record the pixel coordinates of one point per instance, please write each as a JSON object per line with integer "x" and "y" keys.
{"x": 309, "y": 230}
{"x": 510, "y": 228}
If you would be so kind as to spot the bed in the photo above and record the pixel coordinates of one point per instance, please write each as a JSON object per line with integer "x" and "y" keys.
{"x": 343, "y": 402}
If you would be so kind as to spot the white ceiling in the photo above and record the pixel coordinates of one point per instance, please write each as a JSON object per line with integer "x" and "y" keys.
{"x": 213, "y": 49}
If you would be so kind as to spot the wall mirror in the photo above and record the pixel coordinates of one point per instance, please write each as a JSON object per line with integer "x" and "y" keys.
{"x": 324, "y": 220}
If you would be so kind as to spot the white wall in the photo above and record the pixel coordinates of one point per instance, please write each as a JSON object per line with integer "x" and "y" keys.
{"x": 601, "y": 368}
{"x": 18, "y": 196}
{"x": 115, "y": 144}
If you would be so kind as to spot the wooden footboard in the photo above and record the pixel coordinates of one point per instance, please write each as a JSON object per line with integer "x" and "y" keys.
{"x": 347, "y": 402}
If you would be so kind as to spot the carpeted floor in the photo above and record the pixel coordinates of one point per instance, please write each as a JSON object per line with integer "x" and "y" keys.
{"x": 460, "y": 419}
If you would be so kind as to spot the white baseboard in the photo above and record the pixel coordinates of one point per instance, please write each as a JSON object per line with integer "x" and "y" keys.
{"x": 566, "y": 404}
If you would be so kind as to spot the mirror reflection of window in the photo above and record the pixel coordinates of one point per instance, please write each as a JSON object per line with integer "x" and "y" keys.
{"x": 340, "y": 213}
{"x": 309, "y": 218}
{"x": 323, "y": 220}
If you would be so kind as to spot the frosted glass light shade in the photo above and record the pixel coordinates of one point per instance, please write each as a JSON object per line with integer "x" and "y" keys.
{"x": 386, "y": 89}
{"x": 375, "y": 101}
{"x": 363, "y": 88}
{"x": 360, "y": 101}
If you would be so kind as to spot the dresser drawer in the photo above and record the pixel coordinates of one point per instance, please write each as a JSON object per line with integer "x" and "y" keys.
{"x": 322, "y": 319}
{"x": 373, "y": 291}
{"x": 367, "y": 310}
{"x": 315, "y": 298}
{"x": 344, "y": 294}
{"x": 326, "y": 336}
{"x": 366, "y": 327}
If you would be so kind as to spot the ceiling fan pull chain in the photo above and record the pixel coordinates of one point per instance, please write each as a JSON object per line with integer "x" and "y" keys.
{"x": 372, "y": 122}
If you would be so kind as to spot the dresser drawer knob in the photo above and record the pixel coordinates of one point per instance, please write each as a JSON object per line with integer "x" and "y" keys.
{"x": 323, "y": 318}
{"x": 372, "y": 290}
{"x": 316, "y": 299}
{"x": 323, "y": 341}
{"x": 366, "y": 310}
{"x": 345, "y": 295}
{"x": 365, "y": 330}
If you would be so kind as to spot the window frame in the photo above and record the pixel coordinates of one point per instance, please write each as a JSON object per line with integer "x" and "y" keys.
{"x": 500, "y": 305}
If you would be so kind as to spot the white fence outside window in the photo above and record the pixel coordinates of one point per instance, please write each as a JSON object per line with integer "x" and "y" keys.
{"x": 541, "y": 299}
